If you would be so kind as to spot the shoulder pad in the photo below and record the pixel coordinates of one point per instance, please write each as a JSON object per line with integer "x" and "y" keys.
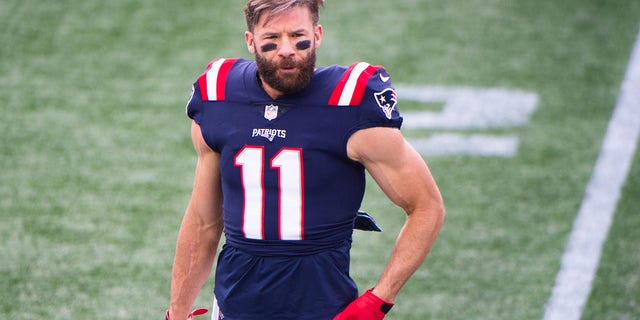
{"x": 212, "y": 82}
{"x": 351, "y": 87}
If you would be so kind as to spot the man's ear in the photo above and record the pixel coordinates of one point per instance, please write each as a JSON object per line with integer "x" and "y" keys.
{"x": 248, "y": 38}
{"x": 318, "y": 34}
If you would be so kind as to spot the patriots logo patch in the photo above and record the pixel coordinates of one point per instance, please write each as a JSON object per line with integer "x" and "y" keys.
{"x": 387, "y": 100}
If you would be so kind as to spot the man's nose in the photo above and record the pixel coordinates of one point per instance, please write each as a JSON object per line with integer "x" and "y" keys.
{"x": 287, "y": 48}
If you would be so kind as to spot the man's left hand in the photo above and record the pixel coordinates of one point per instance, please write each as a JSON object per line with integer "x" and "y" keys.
{"x": 367, "y": 307}
{"x": 196, "y": 312}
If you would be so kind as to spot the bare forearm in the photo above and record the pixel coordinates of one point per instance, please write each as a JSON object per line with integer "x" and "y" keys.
{"x": 412, "y": 246}
{"x": 195, "y": 253}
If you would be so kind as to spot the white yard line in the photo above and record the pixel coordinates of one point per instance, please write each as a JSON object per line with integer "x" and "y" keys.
{"x": 590, "y": 229}
{"x": 483, "y": 145}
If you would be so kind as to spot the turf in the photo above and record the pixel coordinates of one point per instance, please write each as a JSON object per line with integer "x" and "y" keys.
{"x": 618, "y": 280}
{"x": 96, "y": 163}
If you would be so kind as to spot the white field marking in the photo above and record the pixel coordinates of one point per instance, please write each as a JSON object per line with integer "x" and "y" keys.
{"x": 470, "y": 145}
{"x": 582, "y": 254}
{"x": 467, "y": 108}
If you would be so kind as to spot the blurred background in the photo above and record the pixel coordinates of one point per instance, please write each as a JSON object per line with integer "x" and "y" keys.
{"x": 96, "y": 162}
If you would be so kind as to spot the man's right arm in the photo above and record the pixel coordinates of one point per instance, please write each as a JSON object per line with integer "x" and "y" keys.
{"x": 200, "y": 230}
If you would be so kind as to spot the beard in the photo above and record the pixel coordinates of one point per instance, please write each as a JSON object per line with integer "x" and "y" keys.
{"x": 287, "y": 83}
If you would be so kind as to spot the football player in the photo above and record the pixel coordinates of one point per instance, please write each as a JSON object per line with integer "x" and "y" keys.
{"x": 282, "y": 150}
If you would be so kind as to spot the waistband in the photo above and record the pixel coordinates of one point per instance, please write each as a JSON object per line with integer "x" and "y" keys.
{"x": 282, "y": 248}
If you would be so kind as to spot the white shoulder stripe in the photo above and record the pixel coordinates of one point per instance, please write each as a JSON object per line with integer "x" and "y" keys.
{"x": 212, "y": 79}
{"x": 350, "y": 86}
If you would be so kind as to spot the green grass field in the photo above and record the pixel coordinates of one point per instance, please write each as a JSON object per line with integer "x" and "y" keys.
{"x": 96, "y": 162}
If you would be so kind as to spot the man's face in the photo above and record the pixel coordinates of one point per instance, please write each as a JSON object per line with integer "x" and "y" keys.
{"x": 284, "y": 48}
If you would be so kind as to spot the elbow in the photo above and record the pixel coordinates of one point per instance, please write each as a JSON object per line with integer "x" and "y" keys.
{"x": 431, "y": 217}
{"x": 435, "y": 215}
{"x": 436, "y": 204}
{"x": 441, "y": 211}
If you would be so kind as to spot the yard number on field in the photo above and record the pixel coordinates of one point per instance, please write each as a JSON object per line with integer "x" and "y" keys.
{"x": 465, "y": 108}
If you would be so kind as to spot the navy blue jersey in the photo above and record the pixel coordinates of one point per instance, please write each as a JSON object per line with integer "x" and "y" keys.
{"x": 289, "y": 187}
{"x": 286, "y": 178}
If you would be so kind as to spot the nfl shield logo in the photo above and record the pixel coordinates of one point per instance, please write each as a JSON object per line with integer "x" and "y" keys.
{"x": 270, "y": 112}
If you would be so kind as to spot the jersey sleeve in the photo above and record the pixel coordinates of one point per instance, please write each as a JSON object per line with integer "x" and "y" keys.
{"x": 211, "y": 85}
{"x": 368, "y": 89}
{"x": 379, "y": 106}
{"x": 194, "y": 105}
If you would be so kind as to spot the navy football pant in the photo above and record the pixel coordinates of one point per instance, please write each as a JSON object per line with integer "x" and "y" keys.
{"x": 308, "y": 287}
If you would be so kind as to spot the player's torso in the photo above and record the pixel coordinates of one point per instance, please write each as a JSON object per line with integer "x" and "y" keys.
{"x": 287, "y": 181}
{"x": 283, "y": 179}
{"x": 285, "y": 172}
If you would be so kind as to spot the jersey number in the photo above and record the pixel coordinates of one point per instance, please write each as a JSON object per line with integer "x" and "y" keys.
{"x": 288, "y": 163}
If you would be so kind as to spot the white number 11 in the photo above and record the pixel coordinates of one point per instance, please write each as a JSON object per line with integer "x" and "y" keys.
{"x": 288, "y": 162}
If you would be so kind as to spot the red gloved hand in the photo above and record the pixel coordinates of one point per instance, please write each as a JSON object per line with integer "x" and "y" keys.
{"x": 367, "y": 307}
{"x": 196, "y": 312}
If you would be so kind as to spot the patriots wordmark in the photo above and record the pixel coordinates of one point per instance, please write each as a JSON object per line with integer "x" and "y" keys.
{"x": 269, "y": 134}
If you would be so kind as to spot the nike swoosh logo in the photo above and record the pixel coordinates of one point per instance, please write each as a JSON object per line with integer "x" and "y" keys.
{"x": 383, "y": 78}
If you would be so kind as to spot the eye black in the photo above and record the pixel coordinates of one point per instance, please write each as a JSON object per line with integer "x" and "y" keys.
{"x": 268, "y": 47}
{"x": 303, "y": 45}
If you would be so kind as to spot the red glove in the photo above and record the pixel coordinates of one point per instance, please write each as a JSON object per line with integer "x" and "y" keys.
{"x": 196, "y": 312}
{"x": 367, "y": 307}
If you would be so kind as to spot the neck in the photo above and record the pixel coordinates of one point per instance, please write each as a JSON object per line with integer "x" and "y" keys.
{"x": 271, "y": 92}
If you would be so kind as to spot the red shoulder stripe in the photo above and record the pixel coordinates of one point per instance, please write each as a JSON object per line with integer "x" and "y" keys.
{"x": 351, "y": 87}
{"x": 213, "y": 81}
{"x": 337, "y": 91}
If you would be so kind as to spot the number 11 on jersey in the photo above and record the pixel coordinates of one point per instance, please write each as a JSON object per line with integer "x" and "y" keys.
{"x": 288, "y": 163}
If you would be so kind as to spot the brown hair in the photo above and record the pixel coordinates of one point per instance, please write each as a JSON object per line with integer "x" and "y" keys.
{"x": 254, "y": 9}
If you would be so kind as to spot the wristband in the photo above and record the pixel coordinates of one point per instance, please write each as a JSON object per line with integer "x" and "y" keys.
{"x": 196, "y": 312}
{"x": 385, "y": 306}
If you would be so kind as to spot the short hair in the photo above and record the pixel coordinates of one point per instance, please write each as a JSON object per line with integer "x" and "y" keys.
{"x": 254, "y": 9}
